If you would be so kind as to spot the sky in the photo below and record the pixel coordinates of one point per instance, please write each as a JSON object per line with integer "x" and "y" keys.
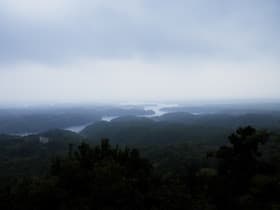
{"x": 60, "y": 51}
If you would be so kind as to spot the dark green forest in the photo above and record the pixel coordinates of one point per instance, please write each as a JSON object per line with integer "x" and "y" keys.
{"x": 71, "y": 172}
{"x": 179, "y": 160}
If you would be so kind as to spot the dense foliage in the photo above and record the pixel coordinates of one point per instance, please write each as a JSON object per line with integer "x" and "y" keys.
{"x": 233, "y": 176}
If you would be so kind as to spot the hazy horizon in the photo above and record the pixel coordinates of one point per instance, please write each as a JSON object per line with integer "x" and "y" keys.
{"x": 188, "y": 103}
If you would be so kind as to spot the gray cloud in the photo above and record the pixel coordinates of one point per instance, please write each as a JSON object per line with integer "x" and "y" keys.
{"x": 67, "y": 50}
{"x": 157, "y": 28}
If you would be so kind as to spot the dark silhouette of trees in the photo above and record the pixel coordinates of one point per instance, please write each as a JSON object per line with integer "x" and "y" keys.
{"x": 239, "y": 163}
{"x": 110, "y": 177}
{"x": 100, "y": 177}
{"x": 240, "y": 160}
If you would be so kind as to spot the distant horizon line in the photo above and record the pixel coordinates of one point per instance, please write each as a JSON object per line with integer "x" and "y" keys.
{"x": 139, "y": 102}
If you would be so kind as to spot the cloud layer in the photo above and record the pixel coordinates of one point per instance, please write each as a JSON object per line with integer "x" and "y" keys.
{"x": 138, "y": 50}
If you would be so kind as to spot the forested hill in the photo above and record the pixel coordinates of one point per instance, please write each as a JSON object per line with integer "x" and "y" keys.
{"x": 40, "y": 119}
{"x": 30, "y": 155}
{"x": 268, "y": 120}
{"x": 242, "y": 174}
{"x": 179, "y": 127}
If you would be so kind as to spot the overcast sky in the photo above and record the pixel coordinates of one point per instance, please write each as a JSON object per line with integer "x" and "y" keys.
{"x": 132, "y": 50}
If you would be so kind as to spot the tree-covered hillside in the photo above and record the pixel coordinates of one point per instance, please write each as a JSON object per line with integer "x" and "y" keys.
{"x": 178, "y": 127}
{"x": 238, "y": 175}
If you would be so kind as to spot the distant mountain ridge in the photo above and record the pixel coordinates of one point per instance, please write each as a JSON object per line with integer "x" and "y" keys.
{"x": 177, "y": 127}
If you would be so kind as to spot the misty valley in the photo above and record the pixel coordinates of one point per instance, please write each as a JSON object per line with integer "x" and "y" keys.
{"x": 143, "y": 156}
